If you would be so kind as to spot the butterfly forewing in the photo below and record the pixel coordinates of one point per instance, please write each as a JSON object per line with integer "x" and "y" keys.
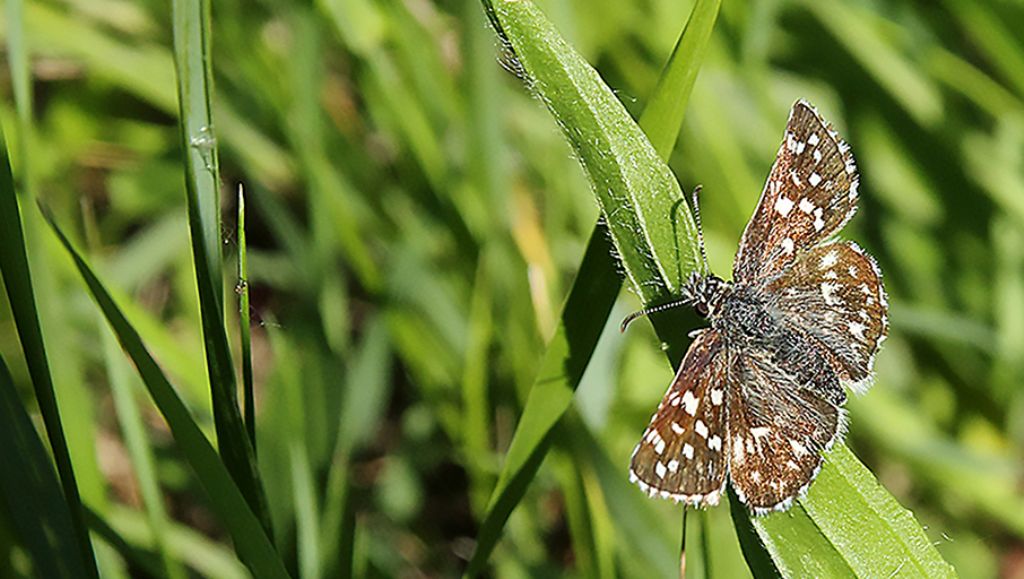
{"x": 682, "y": 453}
{"x": 777, "y": 432}
{"x": 810, "y": 194}
{"x": 834, "y": 294}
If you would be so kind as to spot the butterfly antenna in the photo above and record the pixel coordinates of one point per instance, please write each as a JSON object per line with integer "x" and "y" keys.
{"x": 652, "y": 310}
{"x": 700, "y": 228}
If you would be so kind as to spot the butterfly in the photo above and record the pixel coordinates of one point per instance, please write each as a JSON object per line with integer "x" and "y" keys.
{"x": 759, "y": 396}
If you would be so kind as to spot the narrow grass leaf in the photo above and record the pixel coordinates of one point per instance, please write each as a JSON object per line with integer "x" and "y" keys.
{"x": 192, "y": 58}
{"x": 30, "y": 493}
{"x": 664, "y": 113}
{"x": 583, "y": 317}
{"x": 226, "y": 500}
{"x": 18, "y": 282}
{"x": 245, "y": 326}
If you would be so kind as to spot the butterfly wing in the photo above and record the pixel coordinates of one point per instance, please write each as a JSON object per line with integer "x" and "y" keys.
{"x": 811, "y": 192}
{"x": 682, "y": 454}
{"x": 833, "y": 294}
{"x": 778, "y": 431}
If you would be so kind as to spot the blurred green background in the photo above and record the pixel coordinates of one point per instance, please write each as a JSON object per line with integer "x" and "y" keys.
{"x": 415, "y": 220}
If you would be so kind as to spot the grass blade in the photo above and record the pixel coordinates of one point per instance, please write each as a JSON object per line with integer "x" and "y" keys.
{"x": 30, "y": 494}
{"x": 588, "y": 306}
{"x": 634, "y": 187}
{"x": 245, "y": 328}
{"x": 192, "y": 59}
{"x": 18, "y": 282}
{"x": 226, "y": 500}
{"x": 664, "y": 113}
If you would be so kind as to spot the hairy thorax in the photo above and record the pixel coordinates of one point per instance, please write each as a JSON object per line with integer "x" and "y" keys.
{"x": 744, "y": 318}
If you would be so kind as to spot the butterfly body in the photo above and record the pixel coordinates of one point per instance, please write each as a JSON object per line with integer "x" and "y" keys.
{"x": 758, "y": 398}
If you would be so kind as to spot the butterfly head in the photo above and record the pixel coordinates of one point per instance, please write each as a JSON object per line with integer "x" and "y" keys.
{"x": 705, "y": 293}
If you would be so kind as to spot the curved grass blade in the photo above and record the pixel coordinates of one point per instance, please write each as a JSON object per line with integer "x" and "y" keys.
{"x": 18, "y": 282}
{"x": 596, "y": 285}
{"x": 192, "y": 59}
{"x": 30, "y": 494}
{"x": 654, "y": 234}
{"x": 226, "y": 500}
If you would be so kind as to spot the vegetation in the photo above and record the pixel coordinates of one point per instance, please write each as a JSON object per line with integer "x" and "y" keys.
{"x": 438, "y": 378}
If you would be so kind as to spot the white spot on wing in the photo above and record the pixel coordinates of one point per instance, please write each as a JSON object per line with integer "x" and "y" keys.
{"x": 787, "y": 246}
{"x": 828, "y": 292}
{"x": 798, "y": 449}
{"x": 660, "y": 469}
{"x": 716, "y": 396}
{"x": 819, "y": 223}
{"x": 829, "y": 259}
{"x": 690, "y": 403}
{"x": 857, "y": 329}
{"x": 806, "y": 206}
{"x": 688, "y": 450}
{"x": 737, "y": 449}
{"x": 813, "y": 139}
{"x": 783, "y": 206}
{"x": 814, "y": 179}
{"x": 701, "y": 429}
{"x": 715, "y": 442}
{"x": 676, "y": 428}
{"x": 760, "y": 431}
{"x": 673, "y": 465}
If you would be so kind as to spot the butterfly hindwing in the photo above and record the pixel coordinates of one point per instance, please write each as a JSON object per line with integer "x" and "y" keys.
{"x": 778, "y": 432}
{"x": 682, "y": 453}
{"x": 811, "y": 192}
{"x": 834, "y": 295}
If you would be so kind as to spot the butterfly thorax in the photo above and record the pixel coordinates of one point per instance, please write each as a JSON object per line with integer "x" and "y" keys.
{"x": 706, "y": 293}
{"x": 744, "y": 317}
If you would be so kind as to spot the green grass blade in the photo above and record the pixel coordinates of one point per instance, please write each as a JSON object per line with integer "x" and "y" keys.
{"x": 226, "y": 500}
{"x": 583, "y": 317}
{"x": 653, "y": 231}
{"x": 18, "y": 282}
{"x": 590, "y": 300}
{"x": 664, "y": 112}
{"x": 129, "y": 419}
{"x": 367, "y": 390}
{"x": 30, "y": 494}
{"x": 245, "y": 327}
{"x": 192, "y": 58}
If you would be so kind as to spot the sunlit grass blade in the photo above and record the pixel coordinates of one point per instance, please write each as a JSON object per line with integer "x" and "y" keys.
{"x": 18, "y": 282}
{"x": 226, "y": 500}
{"x": 202, "y": 181}
{"x": 589, "y": 303}
{"x": 648, "y": 219}
{"x": 245, "y": 326}
{"x": 30, "y": 493}
{"x": 666, "y": 108}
